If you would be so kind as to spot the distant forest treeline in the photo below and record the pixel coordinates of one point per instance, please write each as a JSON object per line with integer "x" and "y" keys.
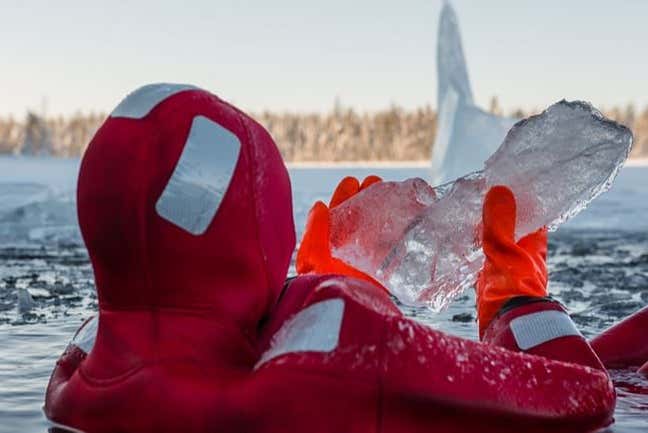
{"x": 394, "y": 134}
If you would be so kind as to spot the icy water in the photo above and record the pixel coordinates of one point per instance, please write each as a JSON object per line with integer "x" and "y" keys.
{"x": 598, "y": 265}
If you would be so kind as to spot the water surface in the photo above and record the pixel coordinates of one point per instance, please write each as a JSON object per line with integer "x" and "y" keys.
{"x": 598, "y": 264}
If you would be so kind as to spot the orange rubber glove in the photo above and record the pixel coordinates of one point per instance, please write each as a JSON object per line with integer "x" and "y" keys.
{"x": 314, "y": 254}
{"x": 511, "y": 269}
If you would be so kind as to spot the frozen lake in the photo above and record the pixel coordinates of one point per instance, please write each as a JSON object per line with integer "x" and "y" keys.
{"x": 598, "y": 264}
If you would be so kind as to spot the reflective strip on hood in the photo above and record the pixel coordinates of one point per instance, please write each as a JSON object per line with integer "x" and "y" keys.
{"x": 86, "y": 336}
{"x": 140, "y": 102}
{"x": 201, "y": 177}
{"x": 314, "y": 329}
{"x": 535, "y": 329}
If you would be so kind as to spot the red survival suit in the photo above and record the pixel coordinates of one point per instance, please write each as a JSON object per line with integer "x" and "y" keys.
{"x": 185, "y": 207}
{"x": 625, "y": 345}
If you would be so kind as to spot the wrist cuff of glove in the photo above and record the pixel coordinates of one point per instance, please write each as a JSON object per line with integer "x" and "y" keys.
{"x": 519, "y": 301}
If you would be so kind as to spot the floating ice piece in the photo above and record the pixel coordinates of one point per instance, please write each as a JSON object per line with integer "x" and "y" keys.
{"x": 466, "y": 134}
{"x": 25, "y": 301}
{"x": 424, "y": 245}
{"x": 16, "y": 195}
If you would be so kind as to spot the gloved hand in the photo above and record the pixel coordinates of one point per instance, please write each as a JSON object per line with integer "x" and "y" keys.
{"x": 314, "y": 254}
{"x": 511, "y": 269}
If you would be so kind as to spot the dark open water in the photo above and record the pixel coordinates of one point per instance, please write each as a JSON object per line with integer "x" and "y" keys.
{"x": 598, "y": 265}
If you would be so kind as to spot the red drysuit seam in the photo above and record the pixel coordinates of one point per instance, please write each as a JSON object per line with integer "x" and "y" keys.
{"x": 196, "y": 310}
{"x": 380, "y": 400}
{"x": 253, "y": 189}
{"x": 145, "y": 233}
{"x": 243, "y": 120}
{"x": 120, "y": 378}
{"x": 206, "y": 313}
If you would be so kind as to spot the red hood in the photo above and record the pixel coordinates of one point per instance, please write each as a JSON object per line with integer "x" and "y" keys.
{"x": 132, "y": 210}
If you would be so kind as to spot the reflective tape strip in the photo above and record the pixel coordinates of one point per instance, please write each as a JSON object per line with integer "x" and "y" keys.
{"x": 140, "y": 102}
{"x": 534, "y": 329}
{"x": 86, "y": 336}
{"x": 314, "y": 329}
{"x": 201, "y": 177}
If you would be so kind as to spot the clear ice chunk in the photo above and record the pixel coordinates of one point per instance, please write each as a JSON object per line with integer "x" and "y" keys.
{"x": 466, "y": 134}
{"x": 365, "y": 238}
{"x": 424, "y": 244}
{"x": 451, "y": 63}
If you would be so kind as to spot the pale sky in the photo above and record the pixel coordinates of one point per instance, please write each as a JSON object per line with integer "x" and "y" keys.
{"x": 298, "y": 55}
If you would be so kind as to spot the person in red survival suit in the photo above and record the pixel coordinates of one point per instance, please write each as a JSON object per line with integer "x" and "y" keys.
{"x": 625, "y": 346}
{"x": 185, "y": 206}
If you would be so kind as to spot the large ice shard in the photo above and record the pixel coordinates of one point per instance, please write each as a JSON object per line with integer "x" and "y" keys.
{"x": 466, "y": 134}
{"x": 424, "y": 244}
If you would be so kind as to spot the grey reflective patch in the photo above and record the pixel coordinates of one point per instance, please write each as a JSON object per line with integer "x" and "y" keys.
{"x": 86, "y": 336}
{"x": 314, "y": 329}
{"x": 140, "y": 102}
{"x": 534, "y": 329}
{"x": 201, "y": 177}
